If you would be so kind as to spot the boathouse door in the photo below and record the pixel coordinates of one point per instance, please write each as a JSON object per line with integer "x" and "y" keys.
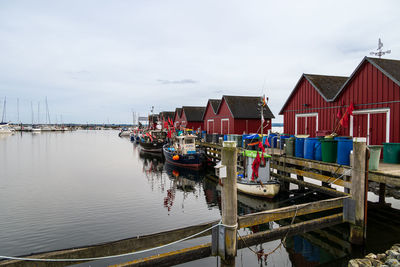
{"x": 210, "y": 126}
{"x": 374, "y": 124}
{"x": 224, "y": 126}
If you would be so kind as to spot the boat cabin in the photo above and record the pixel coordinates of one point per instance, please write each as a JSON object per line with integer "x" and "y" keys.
{"x": 263, "y": 170}
{"x": 186, "y": 144}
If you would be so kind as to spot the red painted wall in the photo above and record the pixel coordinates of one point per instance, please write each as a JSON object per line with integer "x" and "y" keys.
{"x": 235, "y": 126}
{"x": 369, "y": 89}
{"x": 249, "y": 126}
{"x": 210, "y": 115}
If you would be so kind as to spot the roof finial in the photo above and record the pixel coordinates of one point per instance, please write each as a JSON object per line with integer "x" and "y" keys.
{"x": 380, "y": 53}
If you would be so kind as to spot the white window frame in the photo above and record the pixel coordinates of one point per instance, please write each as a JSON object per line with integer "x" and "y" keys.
{"x": 306, "y": 115}
{"x": 208, "y": 126}
{"x": 228, "y": 124}
{"x": 183, "y": 124}
{"x": 369, "y": 112}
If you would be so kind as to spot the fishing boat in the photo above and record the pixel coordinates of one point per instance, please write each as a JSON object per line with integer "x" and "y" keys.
{"x": 124, "y": 132}
{"x": 183, "y": 152}
{"x": 153, "y": 141}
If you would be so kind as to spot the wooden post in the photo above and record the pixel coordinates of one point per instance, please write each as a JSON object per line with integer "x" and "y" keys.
{"x": 359, "y": 193}
{"x": 229, "y": 198}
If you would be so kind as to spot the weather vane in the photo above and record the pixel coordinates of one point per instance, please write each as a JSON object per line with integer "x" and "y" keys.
{"x": 380, "y": 53}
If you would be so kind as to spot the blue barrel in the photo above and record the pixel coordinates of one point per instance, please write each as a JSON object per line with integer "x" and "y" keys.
{"x": 318, "y": 150}
{"x": 283, "y": 140}
{"x": 299, "y": 148}
{"x": 272, "y": 140}
{"x": 344, "y": 146}
{"x": 309, "y": 147}
{"x": 226, "y": 137}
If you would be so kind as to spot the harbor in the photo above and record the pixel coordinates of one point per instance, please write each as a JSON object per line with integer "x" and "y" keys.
{"x": 199, "y": 133}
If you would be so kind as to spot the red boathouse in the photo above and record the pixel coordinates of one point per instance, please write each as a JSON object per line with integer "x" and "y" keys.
{"x": 235, "y": 115}
{"x": 318, "y": 103}
{"x": 190, "y": 117}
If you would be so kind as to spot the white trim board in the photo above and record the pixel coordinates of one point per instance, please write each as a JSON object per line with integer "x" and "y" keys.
{"x": 369, "y": 112}
{"x": 222, "y": 120}
{"x": 306, "y": 115}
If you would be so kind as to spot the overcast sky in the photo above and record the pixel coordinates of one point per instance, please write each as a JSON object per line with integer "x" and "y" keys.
{"x": 96, "y": 61}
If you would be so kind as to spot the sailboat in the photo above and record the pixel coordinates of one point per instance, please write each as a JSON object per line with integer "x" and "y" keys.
{"x": 4, "y": 127}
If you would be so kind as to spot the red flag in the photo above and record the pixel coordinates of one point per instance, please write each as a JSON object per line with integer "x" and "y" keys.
{"x": 169, "y": 134}
{"x": 350, "y": 109}
{"x": 255, "y": 166}
{"x": 339, "y": 114}
{"x": 165, "y": 124}
{"x": 267, "y": 143}
{"x": 345, "y": 120}
{"x": 260, "y": 145}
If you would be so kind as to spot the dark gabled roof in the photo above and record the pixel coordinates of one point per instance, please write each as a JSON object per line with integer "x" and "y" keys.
{"x": 389, "y": 67}
{"x": 179, "y": 111}
{"x": 326, "y": 85}
{"x": 167, "y": 114}
{"x": 194, "y": 113}
{"x": 246, "y": 107}
{"x": 215, "y": 104}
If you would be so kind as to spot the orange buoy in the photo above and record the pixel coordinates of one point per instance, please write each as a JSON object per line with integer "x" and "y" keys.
{"x": 175, "y": 157}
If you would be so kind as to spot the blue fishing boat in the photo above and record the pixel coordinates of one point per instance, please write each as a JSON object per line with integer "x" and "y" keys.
{"x": 183, "y": 152}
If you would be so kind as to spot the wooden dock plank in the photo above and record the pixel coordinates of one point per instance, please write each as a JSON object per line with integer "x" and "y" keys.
{"x": 288, "y": 212}
{"x": 317, "y": 176}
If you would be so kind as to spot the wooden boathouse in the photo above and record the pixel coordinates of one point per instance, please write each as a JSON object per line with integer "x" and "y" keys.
{"x": 190, "y": 117}
{"x": 318, "y": 103}
{"x": 235, "y": 115}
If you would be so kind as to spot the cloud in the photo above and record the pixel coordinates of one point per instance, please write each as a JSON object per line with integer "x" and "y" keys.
{"x": 184, "y": 81}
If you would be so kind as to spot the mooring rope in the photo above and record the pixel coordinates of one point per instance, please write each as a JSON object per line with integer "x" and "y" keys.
{"x": 119, "y": 255}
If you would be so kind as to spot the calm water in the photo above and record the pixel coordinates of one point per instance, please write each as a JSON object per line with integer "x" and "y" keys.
{"x": 62, "y": 190}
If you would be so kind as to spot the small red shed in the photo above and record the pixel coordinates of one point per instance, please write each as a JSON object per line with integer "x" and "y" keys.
{"x": 192, "y": 117}
{"x": 210, "y": 118}
{"x": 318, "y": 102}
{"x": 236, "y": 115}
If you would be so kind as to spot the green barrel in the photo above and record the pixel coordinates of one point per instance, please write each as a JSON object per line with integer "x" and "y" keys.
{"x": 289, "y": 148}
{"x": 329, "y": 149}
{"x": 374, "y": 156}
{"x": 391, "y": 152}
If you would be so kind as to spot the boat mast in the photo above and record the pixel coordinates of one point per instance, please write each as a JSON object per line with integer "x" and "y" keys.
{"x": 32, "y": 112}
{"x": 18, "y": 110}
{"x": 3, "y": 118}
{"x": 38, "y": 112}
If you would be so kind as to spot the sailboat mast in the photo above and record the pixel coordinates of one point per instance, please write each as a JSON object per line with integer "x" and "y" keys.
{"x": 38, "y": 112}
{"x": 32, "y": 112}
{"x": 3, "y": 118}
{"x": 17, "y": 110}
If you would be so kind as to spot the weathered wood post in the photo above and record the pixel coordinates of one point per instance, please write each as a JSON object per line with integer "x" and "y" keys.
{"x": 229, "y": 198}
{"x": 359, "y": 193}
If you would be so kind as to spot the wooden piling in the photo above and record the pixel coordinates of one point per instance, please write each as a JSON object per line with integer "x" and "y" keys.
{"x": 359, "y": 193}
{"x": 229, "y": 198}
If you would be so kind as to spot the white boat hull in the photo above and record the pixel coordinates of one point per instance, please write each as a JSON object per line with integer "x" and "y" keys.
{"x": 268, "y": 190}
